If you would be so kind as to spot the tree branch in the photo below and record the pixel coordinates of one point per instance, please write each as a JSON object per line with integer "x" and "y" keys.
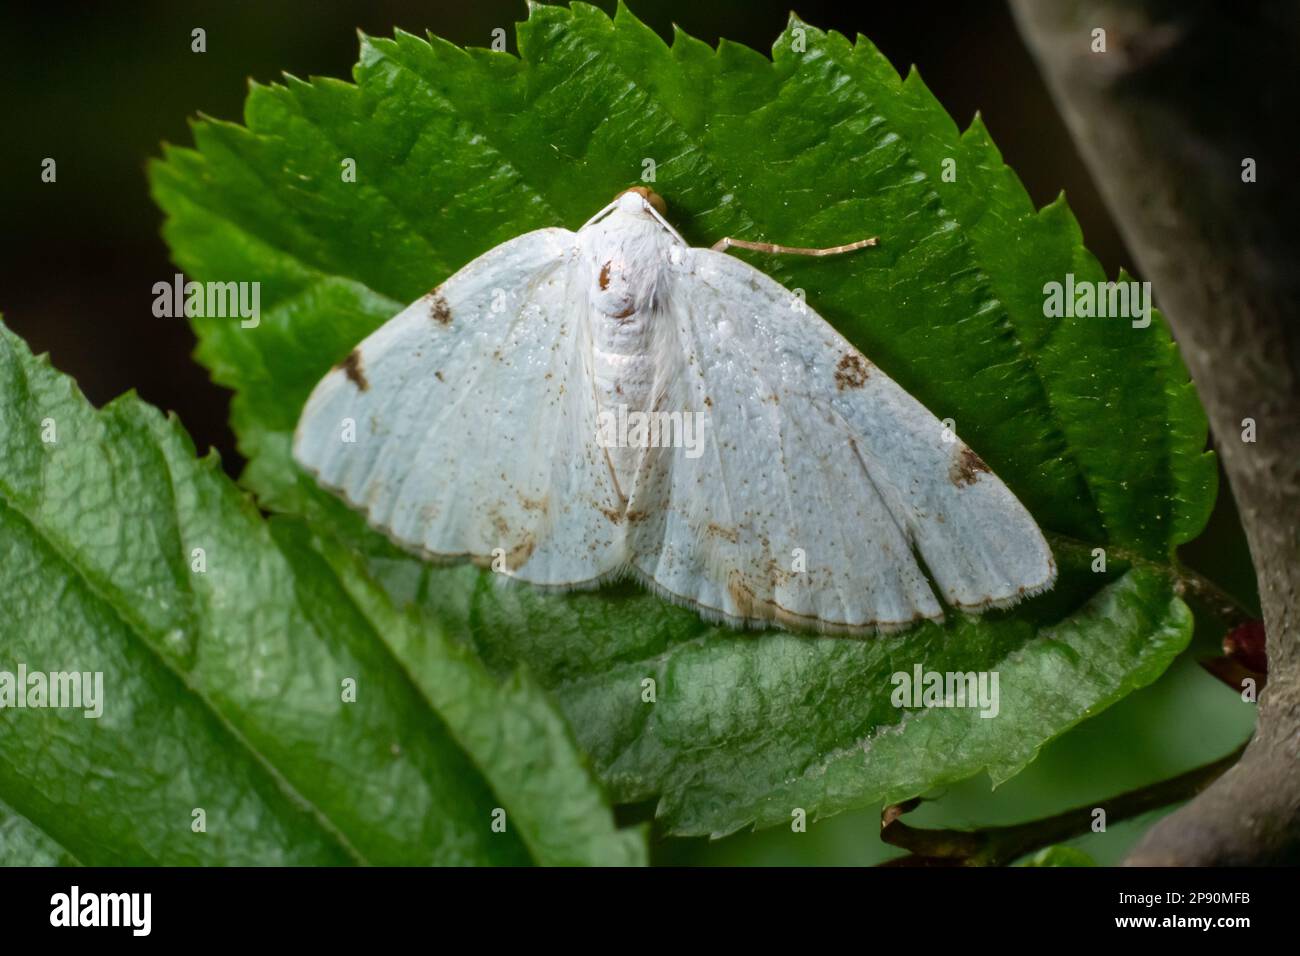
{"x": 1184, "y": 95}
{"x": 998, "y": 846}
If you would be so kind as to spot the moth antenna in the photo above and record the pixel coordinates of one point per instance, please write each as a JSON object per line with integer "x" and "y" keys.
{"x": 722, "y": 245}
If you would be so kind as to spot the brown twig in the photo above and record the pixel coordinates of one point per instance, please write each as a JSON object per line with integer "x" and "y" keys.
{"x": 998, "y": 846}
{"x": 1189, "y": 583}
{"x": 1227, "y": 609}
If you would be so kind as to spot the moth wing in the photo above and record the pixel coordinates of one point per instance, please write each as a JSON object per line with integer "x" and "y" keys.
{"x": 474, "y": 421}
{"x": 814, "y": 458}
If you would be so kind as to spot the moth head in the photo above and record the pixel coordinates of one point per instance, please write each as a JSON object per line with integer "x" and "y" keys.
{"x": 648, "y": 197}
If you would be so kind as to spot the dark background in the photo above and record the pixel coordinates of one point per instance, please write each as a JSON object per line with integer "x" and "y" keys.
{"x": 97, "y": 87}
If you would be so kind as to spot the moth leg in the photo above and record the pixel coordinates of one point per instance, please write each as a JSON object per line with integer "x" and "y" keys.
{"x": 722, "y": 245}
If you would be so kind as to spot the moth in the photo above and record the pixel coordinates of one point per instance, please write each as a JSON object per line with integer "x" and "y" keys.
{"x": 574, "y": 407}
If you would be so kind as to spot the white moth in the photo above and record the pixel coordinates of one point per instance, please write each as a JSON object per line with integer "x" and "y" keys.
{"x": 574, "y": 407}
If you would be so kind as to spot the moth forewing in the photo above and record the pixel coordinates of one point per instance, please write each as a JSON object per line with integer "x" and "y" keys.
{"x": 470, "y": 430}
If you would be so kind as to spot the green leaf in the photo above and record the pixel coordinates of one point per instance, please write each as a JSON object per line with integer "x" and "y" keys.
{"x": 1060, "y": 855}
{"x": 223, "y": 675}
{"x": 22, "y": 843}
{"x": 1091, "y": 421}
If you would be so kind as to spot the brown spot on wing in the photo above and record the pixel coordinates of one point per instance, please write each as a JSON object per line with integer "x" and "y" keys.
{"x": 520, "y": 554}
{"x": 351, "y": 367}
{"x": 852, "y": 371}
{"x": 741, "y": 594}
{"x": 535, "y": 504}
{"x": 604, "y": 276}
{"x": 731, "y": 534}
{"x": 966, "y": 467}
{"x": 439, "y": 311}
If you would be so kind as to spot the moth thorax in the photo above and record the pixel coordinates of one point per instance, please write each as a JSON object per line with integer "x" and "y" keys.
{"x": 628, "y": 256}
